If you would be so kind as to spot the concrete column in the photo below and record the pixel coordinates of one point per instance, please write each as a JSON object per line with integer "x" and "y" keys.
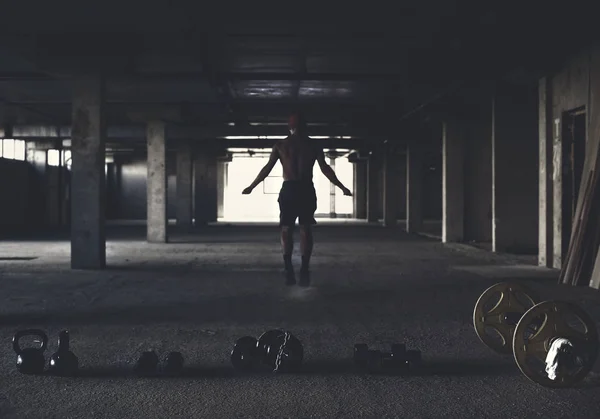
{"x": 372, "y": 182}
{"x": 414, "y": 188}
{"x": 359, "y": 191}
{"x": 205, "y": 188}
{"x": 390, "y": 198}
{"x": 221, "y": 168}
{"x": 515, "y": 177}
{"x": 453, "y": 181}
{"x": 184, "y": 187}
{"x": 88, "y": 237}
{"x": 157, "y": 183}
{"x": 545, "y": 207}
{"x": 478, "y": 174}
{"x": 332, "y": 187}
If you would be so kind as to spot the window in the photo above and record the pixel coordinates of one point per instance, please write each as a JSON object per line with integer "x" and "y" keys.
{"x": 67, "y": 159}
{"x": 8, "y": 149}
{"x": 19, "y": 150}
{"x": 53, "y": 158}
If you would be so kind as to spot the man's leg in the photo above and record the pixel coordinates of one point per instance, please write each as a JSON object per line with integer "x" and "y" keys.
{"x": 287, "y": 219}
{"x": 287, "y": 246}
{"x": 306, "y": 246}
{"x": 307, "y": 220}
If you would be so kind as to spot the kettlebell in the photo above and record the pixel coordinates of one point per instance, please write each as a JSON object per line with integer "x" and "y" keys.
{"x": 63, "y": 362}
{"x": 30, "y": 360}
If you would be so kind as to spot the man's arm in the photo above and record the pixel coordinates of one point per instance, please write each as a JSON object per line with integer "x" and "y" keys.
{"x": 264, "y": 172}
{"x": 329, "y": 173}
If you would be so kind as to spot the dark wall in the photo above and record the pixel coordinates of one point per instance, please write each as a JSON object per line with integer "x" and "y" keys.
{"x": 432, "y": 186}
{"x": 15, "y": 209}
{"x": 127, "y": 191}
{"x": 515, "y": 153}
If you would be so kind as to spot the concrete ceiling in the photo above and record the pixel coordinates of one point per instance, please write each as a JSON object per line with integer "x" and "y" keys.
{"x": 359, "y": 70}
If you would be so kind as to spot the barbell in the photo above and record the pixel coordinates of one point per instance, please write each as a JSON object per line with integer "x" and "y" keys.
{"x": 554, "y": 343}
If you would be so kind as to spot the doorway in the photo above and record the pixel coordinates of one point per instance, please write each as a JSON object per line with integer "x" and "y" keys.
{"x": 261, "y": 205}
{"x": 573, "y": 156}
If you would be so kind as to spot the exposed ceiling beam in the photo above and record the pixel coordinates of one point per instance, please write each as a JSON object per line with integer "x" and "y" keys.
{"x": 250, "y": 143}
{"x": 232, "y": 76}
{"x": 191, "y": 132}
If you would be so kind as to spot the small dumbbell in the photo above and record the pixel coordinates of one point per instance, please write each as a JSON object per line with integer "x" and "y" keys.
{"x": 413, "y": 358}
{"x": 146, "y": 364}
{"x": 361, "y": 355}
{"x": 173, "y": 363}
{"x": 375, "y": 361}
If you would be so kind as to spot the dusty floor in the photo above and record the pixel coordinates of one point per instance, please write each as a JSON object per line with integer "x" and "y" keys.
{"x": 201, "y": 292}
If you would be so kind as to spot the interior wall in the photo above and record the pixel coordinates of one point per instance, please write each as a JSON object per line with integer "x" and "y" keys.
{"x": 130, "y": 199}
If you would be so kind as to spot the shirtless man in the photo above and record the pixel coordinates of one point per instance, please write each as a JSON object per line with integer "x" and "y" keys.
{"x": 297, "y": 198}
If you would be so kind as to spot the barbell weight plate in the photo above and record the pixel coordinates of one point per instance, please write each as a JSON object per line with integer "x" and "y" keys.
{"x": 531, "y": 344}
{"x": 513, "y": 298}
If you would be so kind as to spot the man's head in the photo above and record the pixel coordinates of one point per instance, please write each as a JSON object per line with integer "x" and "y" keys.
{"x": 297, "y": 123}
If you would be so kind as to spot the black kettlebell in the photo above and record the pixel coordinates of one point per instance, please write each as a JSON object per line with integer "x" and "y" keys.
{"x": 63, "y": 362}
{"x": 173, "y": 363}
{"x": 30, "y": 360}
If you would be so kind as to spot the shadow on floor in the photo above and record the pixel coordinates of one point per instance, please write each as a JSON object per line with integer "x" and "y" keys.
{"x": 454, "y": 368}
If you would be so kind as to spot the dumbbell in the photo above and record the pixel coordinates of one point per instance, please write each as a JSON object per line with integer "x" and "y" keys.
{"x": 397, "y": 361}
{"x": 277, "y": 349}
{"x": 565, "y": 354}
{"x": 148, "y": 364}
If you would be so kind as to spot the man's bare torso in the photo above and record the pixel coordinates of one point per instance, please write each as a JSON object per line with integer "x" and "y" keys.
{"x": 297, "y": 155}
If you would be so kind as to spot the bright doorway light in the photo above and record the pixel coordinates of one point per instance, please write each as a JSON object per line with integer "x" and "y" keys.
{"x": 53, "y": 158}
{"x": 262, "y": 205}
{"x": 8, "y": 148}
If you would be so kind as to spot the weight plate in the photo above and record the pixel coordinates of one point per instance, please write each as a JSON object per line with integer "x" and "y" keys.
{"x": 559, "y": 319}
{"x": 491, "y": 309}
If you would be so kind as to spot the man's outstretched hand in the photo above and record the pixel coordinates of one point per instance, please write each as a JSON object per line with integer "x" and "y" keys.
{"x": 247, "y": 191}
{"x": 347, "y": 192}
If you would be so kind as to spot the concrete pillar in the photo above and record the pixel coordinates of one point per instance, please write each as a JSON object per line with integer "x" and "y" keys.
{"x": 221, "y": 169}
{"x": 478, "y": 174}
{"x": 332, "y": 188}
{"x": 453, "y": 181}
{"x": 205, "y": 188}
{"x": 157, "y": 183}
{"x": 515, "y": 177}
{"x": 88, "y": 237}
{"x": 372, "y": 182}
{"x": 184, "y": 202}
{"x": 545, "y": 207}
{"x": 390, "y": 196}
{"x": 414, "y": 188}
{"x": 359, "y": 191}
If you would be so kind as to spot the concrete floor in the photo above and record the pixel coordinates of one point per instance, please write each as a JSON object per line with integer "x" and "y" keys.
{"x": 203, "y": 291}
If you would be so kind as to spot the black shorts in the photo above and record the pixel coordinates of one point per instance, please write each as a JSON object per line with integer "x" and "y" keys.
{"x": 297, "y": 199}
